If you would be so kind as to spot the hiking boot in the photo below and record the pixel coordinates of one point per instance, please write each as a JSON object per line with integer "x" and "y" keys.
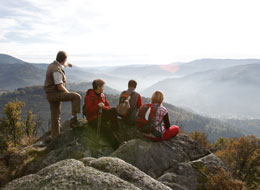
{"x": 74, "y": 122}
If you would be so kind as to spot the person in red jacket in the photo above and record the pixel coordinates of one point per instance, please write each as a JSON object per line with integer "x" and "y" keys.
{"x": 95, "y": 100}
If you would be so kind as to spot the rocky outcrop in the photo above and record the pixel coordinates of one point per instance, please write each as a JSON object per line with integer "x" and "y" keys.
{"x": 126, "y": 172}
{"x": 171, "y": 162}
{"x": 156, "y": 157}
{"x": 78, "y": 159}
{"x": 188, "y": 175}
{"x": 73, "y": 144}
{"x": 104, "y": 173}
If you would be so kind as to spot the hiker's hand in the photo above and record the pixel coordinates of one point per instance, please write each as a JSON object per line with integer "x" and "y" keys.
{"x": 69, "y": 65}
{"x": 101, "y": 105}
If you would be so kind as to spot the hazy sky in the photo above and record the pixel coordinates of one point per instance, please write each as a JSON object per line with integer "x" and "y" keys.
{"x": 113, "y": 32}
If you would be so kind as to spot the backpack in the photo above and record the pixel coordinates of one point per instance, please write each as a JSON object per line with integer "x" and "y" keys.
{"x": 145, "y": 121}
{"x": 123, "y": 106}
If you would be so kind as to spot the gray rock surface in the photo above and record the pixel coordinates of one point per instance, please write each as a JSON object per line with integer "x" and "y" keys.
{"x": 181, "y": 176}
{"x": 76, "y": 144}
{"x": 127, "y": 172}
{"x": 175, "y": 162}
{"x": 211, "y": 162}
{"x": 73, "y": 174}
{"x": 156, "y": 157}
{"x": 137, "y": 164}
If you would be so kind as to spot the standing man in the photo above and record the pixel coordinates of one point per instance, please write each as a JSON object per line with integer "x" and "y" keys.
{"x": 56, "y": 92}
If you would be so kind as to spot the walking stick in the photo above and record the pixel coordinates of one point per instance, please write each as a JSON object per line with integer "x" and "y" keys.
{"x": 99, "y": 122}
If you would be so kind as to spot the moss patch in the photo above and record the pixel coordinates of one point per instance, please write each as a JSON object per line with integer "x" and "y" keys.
{"x": 203, "y": 171}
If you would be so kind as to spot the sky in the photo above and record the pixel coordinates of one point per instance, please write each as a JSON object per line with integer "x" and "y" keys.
{"x": 123, "y": 32}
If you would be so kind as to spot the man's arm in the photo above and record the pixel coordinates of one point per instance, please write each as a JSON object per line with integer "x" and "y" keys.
{"x": 62, "y": 88}
{"x": 58, "y": 81}
{"x": 166, "y": 121}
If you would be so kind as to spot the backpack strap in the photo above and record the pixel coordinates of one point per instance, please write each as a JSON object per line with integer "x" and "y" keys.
{"x": 155, "y": 131}
{"x": 133, "y": 99}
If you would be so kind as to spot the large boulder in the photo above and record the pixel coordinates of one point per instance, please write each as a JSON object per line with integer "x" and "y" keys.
{"x": 156, "y": 157}
{"x": 126, "y": 172}
{"x": 176, "y": 162}
{"x": 189, "y": 175}
{"x": 106, "y": 173}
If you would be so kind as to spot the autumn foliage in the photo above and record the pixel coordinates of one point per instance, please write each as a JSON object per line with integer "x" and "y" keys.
{"x": 242, "y": 156}
{"x": 200, "y": 138}
{"x": 223, "y": 180}
{"x": 13, "y": 127}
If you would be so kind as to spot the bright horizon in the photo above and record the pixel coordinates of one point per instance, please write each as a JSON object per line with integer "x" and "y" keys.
{"x": 123, "y": 32}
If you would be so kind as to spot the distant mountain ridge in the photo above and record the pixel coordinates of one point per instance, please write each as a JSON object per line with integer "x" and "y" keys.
{"x": 18, "y": 75}
{"x": 7, "y": 59}
{"x": 15, "y": 74}
{"x": 201, "y": 65}
{"x": 116, "y": 77}
{"x": 147, "y": 75}
{"x": 229, "y": 91}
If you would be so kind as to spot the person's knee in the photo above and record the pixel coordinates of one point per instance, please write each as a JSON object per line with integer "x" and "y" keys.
{"x": 174, "y": 129}
{"x": 77, "y": 96}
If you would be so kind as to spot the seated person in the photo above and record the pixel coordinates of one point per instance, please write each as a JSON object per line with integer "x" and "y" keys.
{"x": 130, "y": 102}
{"x": 96, "y": 100}
{"x": 161, "y": 120}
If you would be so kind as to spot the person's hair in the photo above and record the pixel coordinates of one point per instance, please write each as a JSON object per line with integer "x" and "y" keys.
{"x": 61, "y": 56}
{"x": 157, "y": 97}
{"x": 97, "y": 83}
{"x": 132, "y": 83}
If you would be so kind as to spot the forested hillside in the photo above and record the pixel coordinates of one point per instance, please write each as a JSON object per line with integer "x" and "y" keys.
{"x": 34, "y": 99}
